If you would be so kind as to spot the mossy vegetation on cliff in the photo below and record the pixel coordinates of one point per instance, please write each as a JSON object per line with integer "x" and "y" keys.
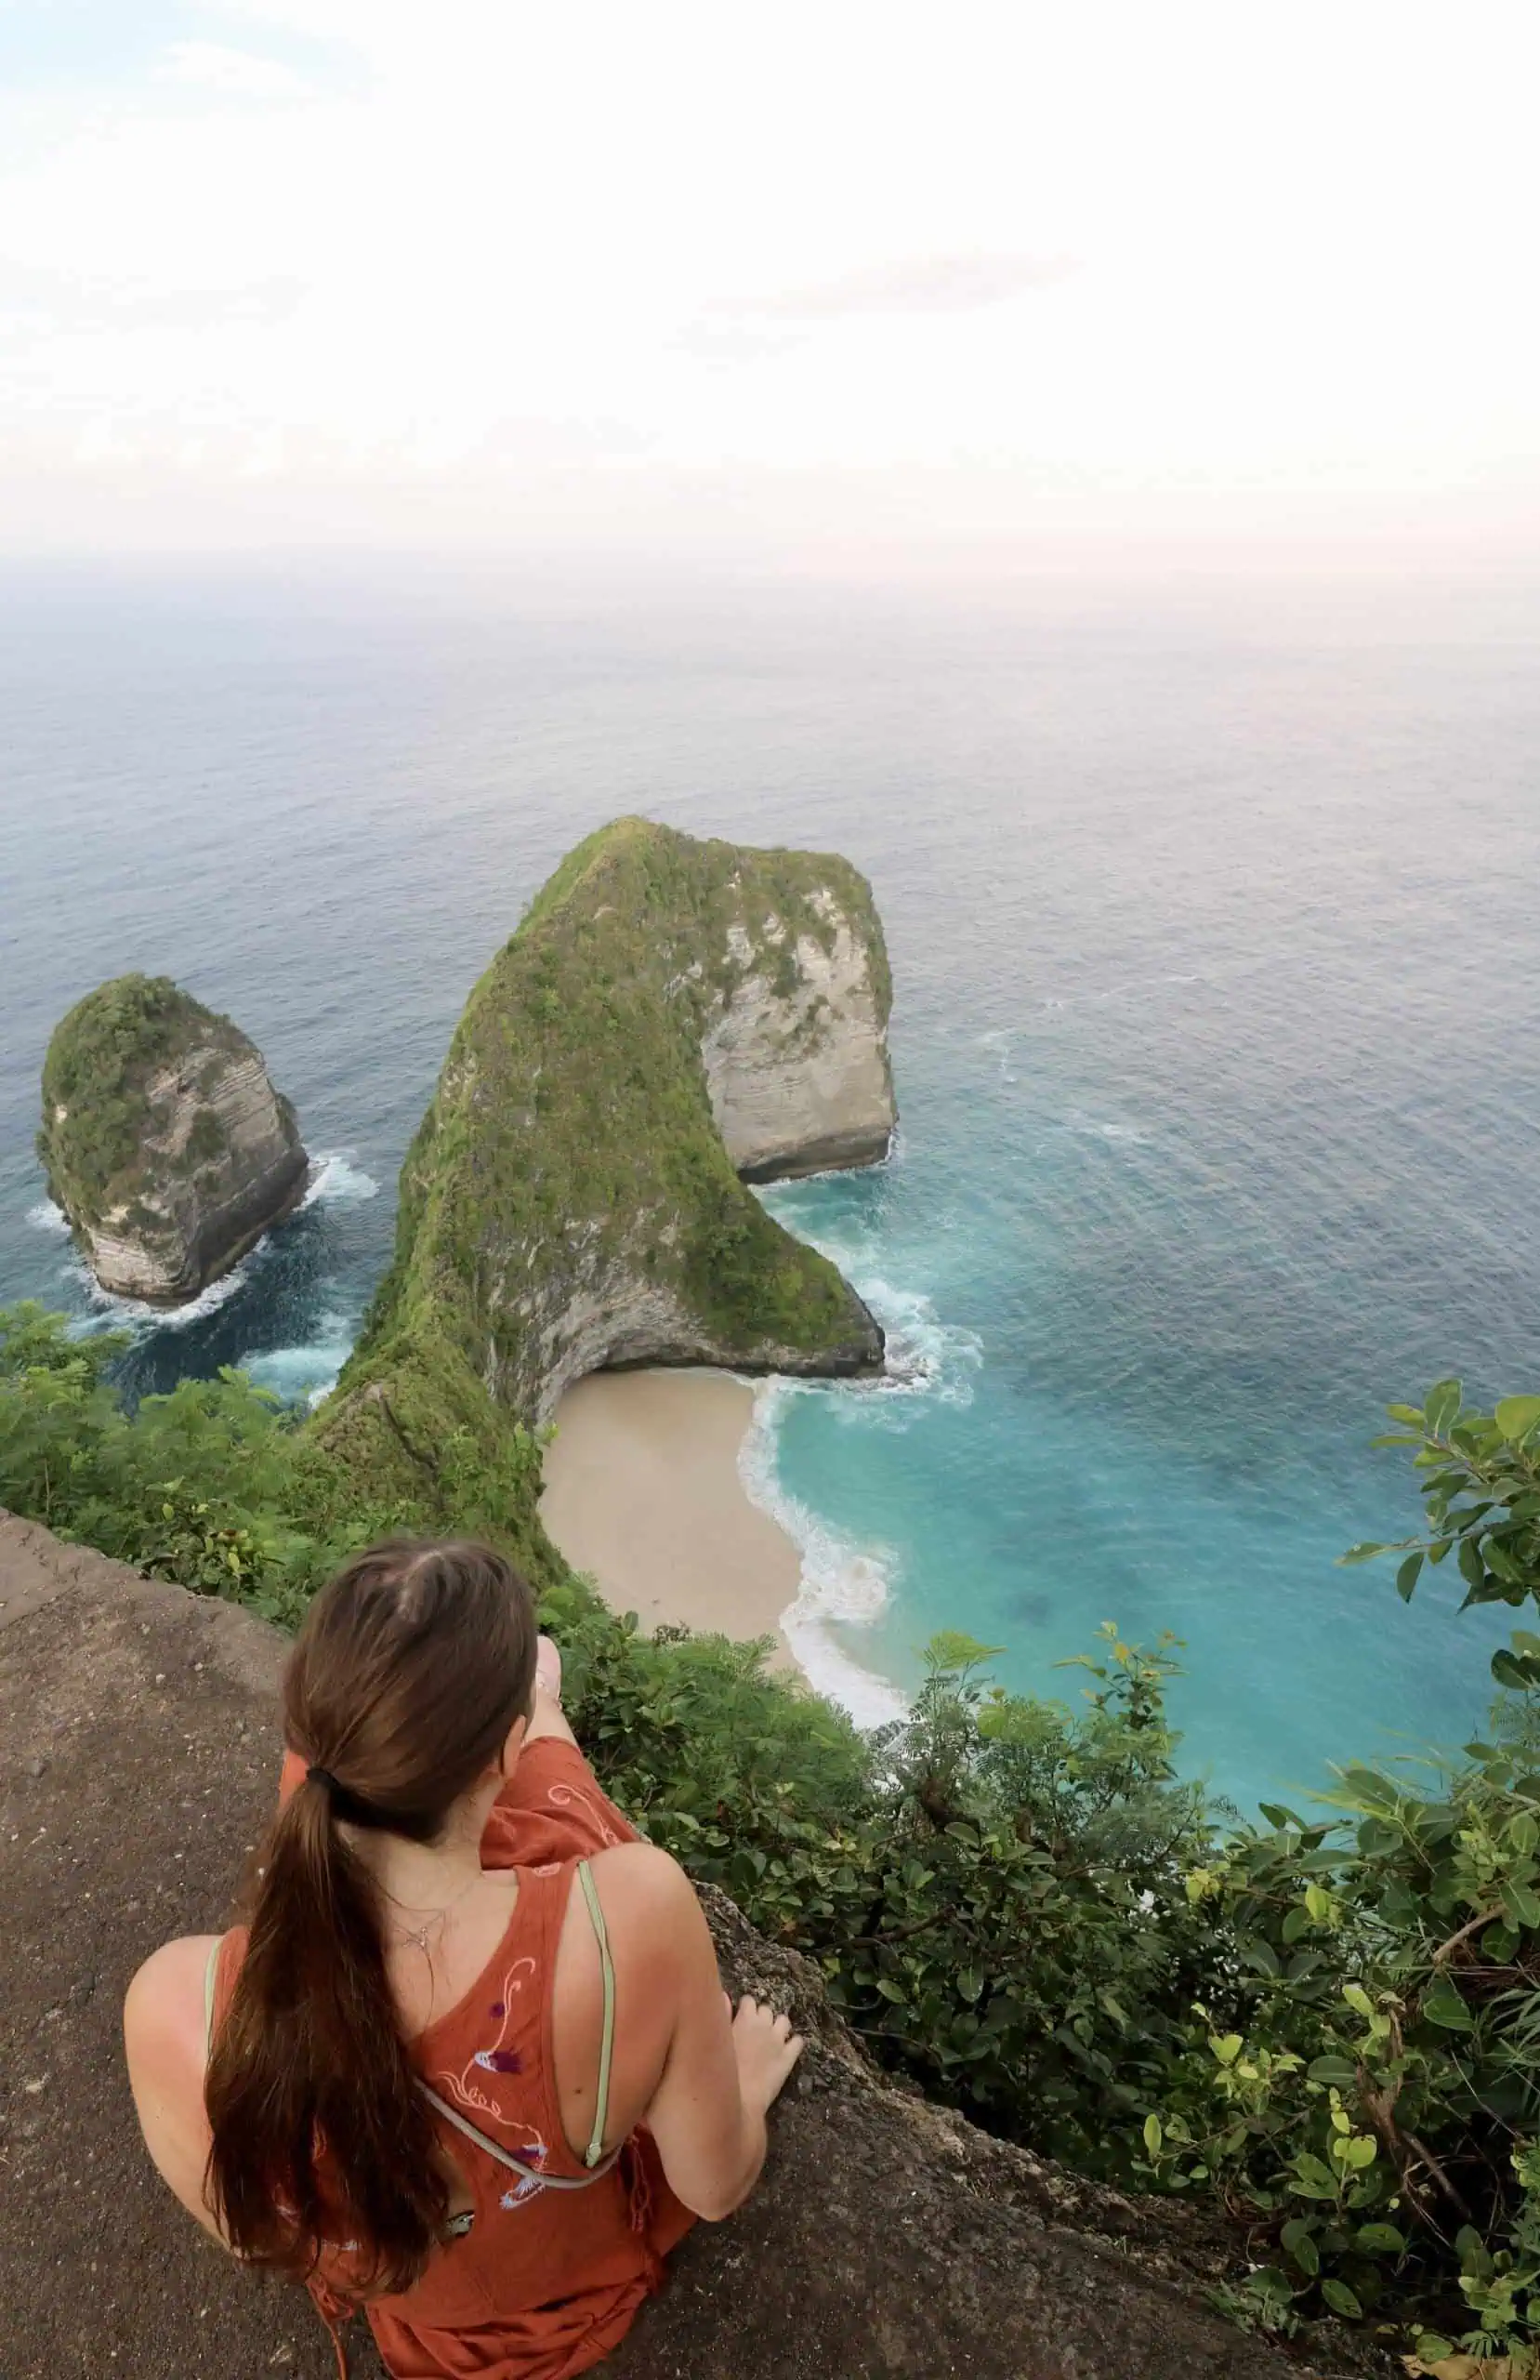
{"x": 97, "y": 1112}
{"x": 568, "y": 1202}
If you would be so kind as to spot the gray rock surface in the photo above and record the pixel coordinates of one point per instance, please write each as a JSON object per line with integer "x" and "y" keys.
{"x": 888, "y": 2240}
{"x": 166, "y": 1146}
{"x": 798, "y": 1072}
{"x": 201, "y": 1222}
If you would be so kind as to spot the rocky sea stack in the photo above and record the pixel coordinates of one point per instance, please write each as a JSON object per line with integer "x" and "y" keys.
{"x": 165, "y": 1144}
{"x": 670, "y": 1018}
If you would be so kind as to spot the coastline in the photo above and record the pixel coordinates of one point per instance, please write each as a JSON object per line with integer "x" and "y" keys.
{"x": 643, "y": 1491}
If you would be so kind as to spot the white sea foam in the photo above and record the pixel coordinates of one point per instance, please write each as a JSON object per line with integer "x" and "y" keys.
{"x": 846, "y": 1586}
{"x": 138, "y": 1316}
{"x": 337, "y": 1182}
{"x": 46, "y": 1217}
{"x": 926, "y": 1356}
{"x": 841, "y": 1583}
{"x": 304, "y": 1375}
{"x": 1100, "y": 1129}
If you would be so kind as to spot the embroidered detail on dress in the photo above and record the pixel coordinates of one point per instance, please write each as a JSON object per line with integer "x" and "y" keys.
{"x": 564, "y": 1796}
{"x": 491, "y": 2059}
{"x": 534, "y": 2154}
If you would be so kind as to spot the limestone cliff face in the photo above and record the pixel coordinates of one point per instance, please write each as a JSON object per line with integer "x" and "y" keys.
{"x": 671, "y": 1016}
{"x": 166, "y": 1143}
{"x": 796, "y": 1050}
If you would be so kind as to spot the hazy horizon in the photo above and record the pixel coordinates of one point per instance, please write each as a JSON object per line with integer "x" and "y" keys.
{"x": 860, "y": 290}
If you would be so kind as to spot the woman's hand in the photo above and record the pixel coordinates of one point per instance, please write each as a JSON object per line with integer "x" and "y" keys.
{"x": 766, "y": 2049}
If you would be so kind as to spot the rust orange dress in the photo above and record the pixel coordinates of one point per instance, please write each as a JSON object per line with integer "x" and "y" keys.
{"x": 543, "y": 2284}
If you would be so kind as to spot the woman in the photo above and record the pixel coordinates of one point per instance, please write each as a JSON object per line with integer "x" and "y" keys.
{"x": 471, "y": 2063}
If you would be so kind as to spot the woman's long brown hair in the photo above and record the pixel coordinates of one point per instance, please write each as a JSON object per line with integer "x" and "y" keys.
{"x": 412, "y": 1666}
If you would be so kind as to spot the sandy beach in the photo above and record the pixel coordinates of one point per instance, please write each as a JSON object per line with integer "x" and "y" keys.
{"x": 642, "y": 1491}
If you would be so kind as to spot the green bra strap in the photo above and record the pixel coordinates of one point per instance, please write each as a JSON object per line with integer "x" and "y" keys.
{"x": 601, "y": 2110}
{"x": 209, "y": 1974}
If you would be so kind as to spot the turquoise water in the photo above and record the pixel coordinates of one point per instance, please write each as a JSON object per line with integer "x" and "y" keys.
{"x": 1212, "y": 914}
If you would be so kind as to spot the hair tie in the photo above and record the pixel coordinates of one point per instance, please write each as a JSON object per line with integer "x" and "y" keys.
{"x": 318, "y": 1776}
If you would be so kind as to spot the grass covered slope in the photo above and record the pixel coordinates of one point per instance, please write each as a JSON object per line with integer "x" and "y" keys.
{"x": 163, "y": 1141}
{"x": 568, "y": 1202}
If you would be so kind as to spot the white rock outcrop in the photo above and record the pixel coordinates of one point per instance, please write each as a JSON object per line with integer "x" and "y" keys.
{"x": 796, "y": 1059}
{"x": 190, "y": 1220}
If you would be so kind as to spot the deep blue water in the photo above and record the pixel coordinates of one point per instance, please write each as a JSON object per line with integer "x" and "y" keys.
{"x": 1212, "y": 909}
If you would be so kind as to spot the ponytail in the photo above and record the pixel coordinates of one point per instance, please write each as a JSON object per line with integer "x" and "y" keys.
{"x": 414, "y": 1663}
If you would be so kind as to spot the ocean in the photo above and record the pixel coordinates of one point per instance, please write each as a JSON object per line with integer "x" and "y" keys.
{"x": 1212, "y": 905}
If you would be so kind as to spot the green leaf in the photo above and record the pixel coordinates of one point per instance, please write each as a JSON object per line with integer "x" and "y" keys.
{"x": 1442, "y": 1406}
{"x": 1411, "y": 1413}
{"x": 1498, "y": 1558}
{"x": 1473, "y": 1567}
{"x": 1516, "y": 1417}
{"x": 1432, "y": 2347}
{"x": 1471, "y": 2249}
{"x": 1296, "y": 2239}
{"x": 1153, "y": 2136}
{"x": 1518, "y": 1901}
{"x": 1341, "y": 2298}
{"x": 1408, "y": 1575}
{"x": 1313, "y": 2177}
{"x": 950, "y": 1650}
{"x": 1364, "y": 1553}
{"x": 1442, "y": 2005}
{"x": 1340, "y": 2073}
{"x": 1380, "y": 2240}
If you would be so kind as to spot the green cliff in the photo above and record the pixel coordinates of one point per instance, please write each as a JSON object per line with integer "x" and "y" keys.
{"x": 669, "y": 1015}
{"x": 165, "y": 1144}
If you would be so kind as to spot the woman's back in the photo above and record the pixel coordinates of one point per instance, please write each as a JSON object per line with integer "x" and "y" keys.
{"x": 536, "y": 2280}
{"x": 470, "y": 2063}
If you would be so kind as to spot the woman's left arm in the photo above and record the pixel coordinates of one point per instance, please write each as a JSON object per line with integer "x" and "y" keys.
{"x": 163, "y": 2038}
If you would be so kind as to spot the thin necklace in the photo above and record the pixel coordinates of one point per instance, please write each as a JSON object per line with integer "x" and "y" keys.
{"x": 418, "y": 1935}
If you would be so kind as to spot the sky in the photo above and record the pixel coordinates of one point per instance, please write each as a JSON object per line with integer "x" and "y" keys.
{"x": 975, "y": 274}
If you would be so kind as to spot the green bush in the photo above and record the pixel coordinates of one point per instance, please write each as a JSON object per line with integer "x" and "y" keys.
{"x": 1368, "y": 2102}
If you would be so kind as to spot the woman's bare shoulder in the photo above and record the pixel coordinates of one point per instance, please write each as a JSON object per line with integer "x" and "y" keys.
{"x": 162, "y": 2013}
{"x": 648, "y": 1902}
